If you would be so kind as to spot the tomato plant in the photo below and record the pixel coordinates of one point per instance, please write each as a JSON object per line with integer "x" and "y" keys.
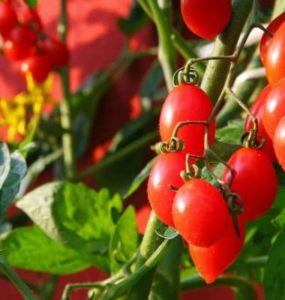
{"x": 133, "y": 154}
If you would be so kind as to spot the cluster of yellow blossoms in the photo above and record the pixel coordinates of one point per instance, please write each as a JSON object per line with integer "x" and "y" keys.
{"x": 22, "y": 113}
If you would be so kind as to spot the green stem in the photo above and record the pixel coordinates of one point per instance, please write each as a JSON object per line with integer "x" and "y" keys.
{"x": 236, "y": 282}
{"x": 167, "y": 274}
{"x": 120, "y": 154}
{"x": 16, "y": 280}
{"x": 225, "y": 44}
{"x": 134, "y": 278}
{"x": 149, "y": 243}
{"x": 166, "y": 52}
{"x": 65, "y": 109}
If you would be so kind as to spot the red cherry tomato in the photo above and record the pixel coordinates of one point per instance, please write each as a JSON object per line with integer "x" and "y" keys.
{"x": 267, "y": 39}
{"x": 279, "y": 142}
{"x": 258, "y": 111}
{"x": 8, "y": 18}
{"x": 56, "y": 52}
{"x": 200, "y": 213}
{"x": 274, "y": 61}
{"x": 206, "y": 18}
{"x": 213, "y": 261}
{"x": 274, "y": 107}
{"x": 38, "y": 66}
{"x": 187, "y": 102}
{"x": 164, "y": 174}
{"x": 29, "y": 17}
{"x": 19, "y": 43}
{"x": 254, "y": 180}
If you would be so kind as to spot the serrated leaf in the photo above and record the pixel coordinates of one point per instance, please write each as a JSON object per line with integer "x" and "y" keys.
{"x": 4, "y": 163}
{"x": 85, "y": 218}
{"x": 140, "y": 178}
{"x": 274, "y": 277}
{"x": 124, "y": 240}
{"x": 29, "y": 248}
{"x": 11, "y": 186}
{"x": 31, "y": 3}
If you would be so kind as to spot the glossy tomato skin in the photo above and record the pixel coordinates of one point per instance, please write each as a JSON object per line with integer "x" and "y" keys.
{"x": 38, "y": 66}
{"x": 274, "y": 107}
{"x": 200, "y": 213}
{"x": 254, "y": 180}
{"x": 267, "y": 39}
{"x": 257, "y": 109}
{"x": 164, "y": 174}
{"x": 206, "y": 18}
{"x": 19, "y": 43}
{"x": 187, "y": 102}
{"x": 214, "y": 260}
{"x": 8, "y": 18}
{"x": 56, "y": 52}
{"x": 274, "y": 62}
{"x": 279, "y": 142}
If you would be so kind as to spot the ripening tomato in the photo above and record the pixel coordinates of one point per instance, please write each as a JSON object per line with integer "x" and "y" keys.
{"x": 274, "y": 107}
{"x": 257, "y": 109}
{"x": 254, "y": 180}
{"x": 279, "y": 142}
{"x": 8, "y": 18}
{"x": 187, "y": 102}
{"x": 206, "y": 18}
{"x": 274, "y": 61}
{"x": 213, "y": 261}
{"x": 200, "y": 213}
{"x": 164, "y": 175}
{"x": 19, "y": 43}
{"x": 38, "y": 66}
{"x": 56, "y": 52}
{"x": 266, "y": 39}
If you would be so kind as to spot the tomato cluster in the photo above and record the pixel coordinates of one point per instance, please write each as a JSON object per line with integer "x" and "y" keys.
{"x": 272, "y": 104}
{"x": 26, "y": 44}
{"x": 202, "y": 213}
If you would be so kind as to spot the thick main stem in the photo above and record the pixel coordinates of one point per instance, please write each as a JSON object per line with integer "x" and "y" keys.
{"x": 216, "y": 72}
{"x": 65, "y": 109}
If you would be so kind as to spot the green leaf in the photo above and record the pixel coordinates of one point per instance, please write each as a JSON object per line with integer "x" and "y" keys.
{"x": 76, "y": 216}
{"x": 274, "y": 277}
{"x": 231, "y": 134}
{"x": 31, "y": 3}
{"x": 124, "y": 240}
{"x": 11, "y": 186}
{"x": 140, "y": 178}
{"x": 29, "y": 248}
{"x": 135, "y": 21}
{"x": 4, "y": 163}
